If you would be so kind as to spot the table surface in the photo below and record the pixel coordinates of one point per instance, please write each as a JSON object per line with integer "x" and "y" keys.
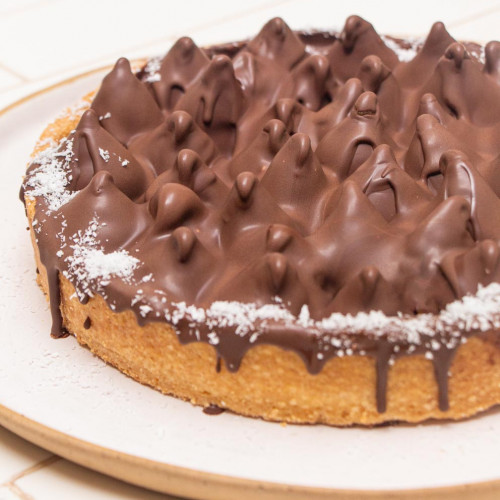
{"x": 45, "y": 41}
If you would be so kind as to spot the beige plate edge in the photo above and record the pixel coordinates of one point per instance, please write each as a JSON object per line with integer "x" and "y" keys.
{"x": 190, "y": 483}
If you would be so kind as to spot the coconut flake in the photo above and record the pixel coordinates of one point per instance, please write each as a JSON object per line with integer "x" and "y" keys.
{"x": 90, "y": 264}
{"x": 152, "y": 70}
{"x": 104, "y": 154}
{"x": 50, "y": 178}
{"x": 479, "y": 312}
{"x": 104, "y": 265}
{"x": 405, "y": 53}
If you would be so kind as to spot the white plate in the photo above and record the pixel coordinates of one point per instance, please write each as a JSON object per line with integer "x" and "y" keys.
{"x": 60, "y": 385}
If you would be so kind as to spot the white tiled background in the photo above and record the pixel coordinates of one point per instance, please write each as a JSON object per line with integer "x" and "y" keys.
{"x": 43, "y": 41}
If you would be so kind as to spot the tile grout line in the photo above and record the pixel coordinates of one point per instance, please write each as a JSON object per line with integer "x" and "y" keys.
{"x": 22, "y": 495}
{"x": 15, "y": 489}
{"x": 26, "y": 8}
{"x": 14, "y": 73}
{"x": 170, "y": 38}
{"x": 30, "y": 470}
{"x": 18, "y": 85}
{"x": 474, "y": 17}
{"x": 102, "y": 60}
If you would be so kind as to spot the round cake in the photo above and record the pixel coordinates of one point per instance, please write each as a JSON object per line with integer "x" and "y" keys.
{"x": 302, "y": 227}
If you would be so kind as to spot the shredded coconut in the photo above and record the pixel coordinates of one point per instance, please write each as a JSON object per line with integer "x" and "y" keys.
{"x": 479, "y": 312}
{"x": 104, "y": 265}
{"x": 404, "y": 54}
{"x": 145, "y": 310}
{"x": 213, "y": 338}
{"x": 90, "y": 264}
{"x": 478, "y": 52}
{"x": 104, "y": 154}
{"x": 50, "y": 178}
{"x": 151, "y": 70}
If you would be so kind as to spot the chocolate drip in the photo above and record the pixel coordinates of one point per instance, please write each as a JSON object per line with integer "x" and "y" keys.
{"x": 58, "y": 330}
{"x": 213, "y": 410}
{"x": 442, "y": 359}
{"x": 284, "y": 191}
{"x": 382, "y": 366}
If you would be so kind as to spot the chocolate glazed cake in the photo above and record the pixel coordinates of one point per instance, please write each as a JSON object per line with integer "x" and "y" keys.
{"x": 303, "y": 227}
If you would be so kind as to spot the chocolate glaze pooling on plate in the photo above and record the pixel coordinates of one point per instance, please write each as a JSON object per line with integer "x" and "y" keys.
{"x": 248, "y": 192}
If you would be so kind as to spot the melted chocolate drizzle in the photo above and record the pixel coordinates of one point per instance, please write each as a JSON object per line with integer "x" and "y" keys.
{"x": 213, "y": 410}
{"x": 294, "y": 169}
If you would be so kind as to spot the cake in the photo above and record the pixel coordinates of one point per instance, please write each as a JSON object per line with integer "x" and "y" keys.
{"x": 302, "y": 227}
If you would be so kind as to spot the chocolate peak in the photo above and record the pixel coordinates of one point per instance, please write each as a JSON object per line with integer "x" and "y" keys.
{"x": 100, "y": 182}
{"x": 185, "y": 240}
{"x": 457, "y": 53}
{"x": 366, "y": 105}
{"x": 178, "y": 69}
{"x": 489, "y": 253}
{"x": 244, "y": 184}
{"x": 276, "y": 41}
{"x": 354, "y": 27}
{"x": 276, "y": 135}
{"x": 278, "y": 237}
{"x": 277, "y": 263}
{"x": 140, "y": 114}
{"x": 437, "y": 40}
{"x": 288, "y": 111}
{"x": 187, "y": 163}
{"x": 180, "y": 124}
{"x": 492, "y": 58}
{"x": 372, "y": 73}
{"x": 174, "y": 205}
{"x": 307, "y": 82}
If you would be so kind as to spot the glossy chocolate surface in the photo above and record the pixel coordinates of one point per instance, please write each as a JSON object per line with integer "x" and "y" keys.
{"x": 317, "y": 174}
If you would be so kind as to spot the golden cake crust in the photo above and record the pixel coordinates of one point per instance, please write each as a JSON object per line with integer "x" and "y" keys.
{"x": 271, "y": 382}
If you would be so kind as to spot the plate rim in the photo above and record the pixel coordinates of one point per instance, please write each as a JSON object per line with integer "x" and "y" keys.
{"x": 177, "y": 480}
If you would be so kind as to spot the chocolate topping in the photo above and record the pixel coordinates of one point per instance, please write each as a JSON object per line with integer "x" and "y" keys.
{"x": 312, "y": 191}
